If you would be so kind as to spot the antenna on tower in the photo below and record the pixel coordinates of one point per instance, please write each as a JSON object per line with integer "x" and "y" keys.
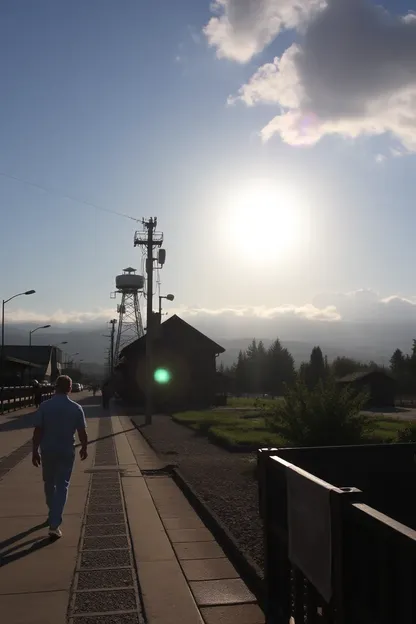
{"x": 130, "y": 325}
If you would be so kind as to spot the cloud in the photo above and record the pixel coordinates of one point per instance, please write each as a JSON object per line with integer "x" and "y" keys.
{"x": 367, "y": 305}
{"x": 333, "y": 307}
{"x": 352, "y": 73}
{"x": 59, "y": 317}
{"x": 356, "y": 306}
{"x": 307, "y": 311}
{"x": 243, "y": 28}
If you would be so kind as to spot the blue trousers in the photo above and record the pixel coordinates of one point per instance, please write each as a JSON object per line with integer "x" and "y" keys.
{"x": 56, "y": 472}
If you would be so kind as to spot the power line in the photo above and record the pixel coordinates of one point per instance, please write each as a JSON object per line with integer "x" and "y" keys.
{"x": 69, "y": 197}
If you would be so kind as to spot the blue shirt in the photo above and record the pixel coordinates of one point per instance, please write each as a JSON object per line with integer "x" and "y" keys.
{"x": 59, "y": 418}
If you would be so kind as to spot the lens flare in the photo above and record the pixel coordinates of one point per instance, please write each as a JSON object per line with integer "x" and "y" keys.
{"x": 162, "y": 376}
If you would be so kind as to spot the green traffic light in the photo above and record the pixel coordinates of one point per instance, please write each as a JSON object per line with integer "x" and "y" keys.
{"x": 161, "y": 376}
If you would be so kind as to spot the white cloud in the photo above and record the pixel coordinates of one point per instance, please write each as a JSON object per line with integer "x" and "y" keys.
{"x": 356, "y": 306}
{"x": 59, "y": 317}
{"x": 244, "y": 28}
{"x": 352, "y": 73}
{"x": 359, "y": 305}
{"x": 307, "y": 311}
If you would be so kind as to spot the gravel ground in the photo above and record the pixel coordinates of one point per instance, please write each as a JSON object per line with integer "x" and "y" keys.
{"x": 222, "y": 479}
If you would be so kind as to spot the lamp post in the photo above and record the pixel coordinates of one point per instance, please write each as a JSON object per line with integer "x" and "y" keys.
{"x": 34, "y": 330}
{"x": 168, "y": 297}
{"x": 71, "y": 360}
{"x": 27, "y": 292}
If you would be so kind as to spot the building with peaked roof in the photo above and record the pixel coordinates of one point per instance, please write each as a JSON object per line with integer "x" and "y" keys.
{"x": 184, "y": 364}
{"x": 378, "y": 384}
{"x": 23, "y": 363}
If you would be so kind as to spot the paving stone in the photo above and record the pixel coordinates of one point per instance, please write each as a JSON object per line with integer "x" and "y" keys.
{"x": 198, "y": 550}
{"x": 227, "y": 591}
{"x": 233, "y": 614}
{"x": 106, "y": 460}
{"x": 190, "y": 535}
{"x": 99, "y": 579}
{"x": 100, "y": 509}
{"x": 35, "y": 608}
{"x": 165, "y": 593}
{"x": 107, "y": 518}
{"x": 97, "y": 530}
{"x": 116, "y": 618}
{"x": 49, "y": 567}
{"x": 106, "y": 496}
{"x": 208, "y": 569}
{"x": 105, "y": 543}
{"x": 186, "y": 522}
{"x": 108, "y": 600}
{"x": 105, "y": 559}
{"x": 107, "y": 483}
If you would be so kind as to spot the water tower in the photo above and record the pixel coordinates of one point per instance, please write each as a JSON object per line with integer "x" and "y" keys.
{"x": 130, "y": 325}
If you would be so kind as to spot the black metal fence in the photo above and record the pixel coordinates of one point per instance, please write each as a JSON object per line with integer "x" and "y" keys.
{"x": 17, "y": 397}
{"x": 332, "y": 554}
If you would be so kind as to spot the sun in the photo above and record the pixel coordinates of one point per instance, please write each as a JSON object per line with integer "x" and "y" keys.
{"x": 264, "y": 220}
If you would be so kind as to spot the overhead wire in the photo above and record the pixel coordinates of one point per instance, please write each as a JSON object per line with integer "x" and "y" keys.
{"x": 52, "y": 191}
{"x": 90, "y": 204}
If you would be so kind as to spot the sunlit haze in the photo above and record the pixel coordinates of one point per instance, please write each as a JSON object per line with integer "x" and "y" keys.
{"x": 264, "y": 222}
{"x": 275, "y": 141}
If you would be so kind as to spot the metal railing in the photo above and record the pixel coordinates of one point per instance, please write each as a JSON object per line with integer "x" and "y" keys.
{"x": 16, "y": 397}
{"x": 330, "y": 558}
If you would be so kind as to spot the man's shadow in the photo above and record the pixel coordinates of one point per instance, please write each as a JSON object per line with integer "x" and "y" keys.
{"x": 18, "y": 551}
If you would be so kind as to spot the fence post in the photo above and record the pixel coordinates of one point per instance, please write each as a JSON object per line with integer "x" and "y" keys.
{"x": 339, "y": 498}
{"x": 276, "y": 562}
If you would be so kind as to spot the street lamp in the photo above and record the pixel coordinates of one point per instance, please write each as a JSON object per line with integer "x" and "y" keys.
{"x": 168, "y": 297}
{"x": 71, "y": 360}
{"x": 34, "y": 330}
{"x": 27, "y": 292}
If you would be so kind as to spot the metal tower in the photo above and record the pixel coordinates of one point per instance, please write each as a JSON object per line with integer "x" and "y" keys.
{"x": 130, "y": 325}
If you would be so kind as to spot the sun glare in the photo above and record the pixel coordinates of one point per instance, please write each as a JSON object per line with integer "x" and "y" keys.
{"x": 264, "y": 221}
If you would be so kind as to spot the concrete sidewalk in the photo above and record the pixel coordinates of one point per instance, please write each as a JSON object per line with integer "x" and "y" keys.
{"x": 133, "y": 550}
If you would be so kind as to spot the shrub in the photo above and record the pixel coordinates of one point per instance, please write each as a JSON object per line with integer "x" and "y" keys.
{"x": 408, "y": 434}
{"x": 326, "y": 415}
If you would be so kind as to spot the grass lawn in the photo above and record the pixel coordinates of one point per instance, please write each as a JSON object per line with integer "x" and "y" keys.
{"x": 250, "y": 402}
{"x": 244, "y": 430}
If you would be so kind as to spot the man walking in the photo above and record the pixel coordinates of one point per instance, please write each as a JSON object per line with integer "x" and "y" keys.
{"x": 55, "y": 424}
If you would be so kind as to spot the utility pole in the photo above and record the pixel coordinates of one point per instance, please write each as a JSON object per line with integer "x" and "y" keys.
{"x": 113, "y": 331}
{"x": 149, "y": 239}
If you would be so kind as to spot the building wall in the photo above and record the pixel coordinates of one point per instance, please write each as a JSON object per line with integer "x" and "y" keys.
{"x": 192, "y": 384}
{"x": 381, "y": 389}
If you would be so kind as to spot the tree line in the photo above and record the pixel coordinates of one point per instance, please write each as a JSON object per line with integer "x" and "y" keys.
{"x": 270, "y": 371}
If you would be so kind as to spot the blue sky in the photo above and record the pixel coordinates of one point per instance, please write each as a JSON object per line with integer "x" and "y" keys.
{"x": 124, "y": 104}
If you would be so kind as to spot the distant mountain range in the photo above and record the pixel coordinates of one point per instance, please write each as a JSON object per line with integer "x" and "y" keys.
{"x": 369, "y": 342}
{"x": 361, "y": 340}
{"x": 90, "y": 343}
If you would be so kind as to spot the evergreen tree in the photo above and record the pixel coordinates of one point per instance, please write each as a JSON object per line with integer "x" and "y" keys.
{"x": 398, "y": 363}
{"x": 252, "y": 365}
{"x": 343, "y": 366}
{"x": 280, "y": 369}
{"x": 240, "y": 374}
{"x": 316, "y": 371}
{"x": 260, "y": 369}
